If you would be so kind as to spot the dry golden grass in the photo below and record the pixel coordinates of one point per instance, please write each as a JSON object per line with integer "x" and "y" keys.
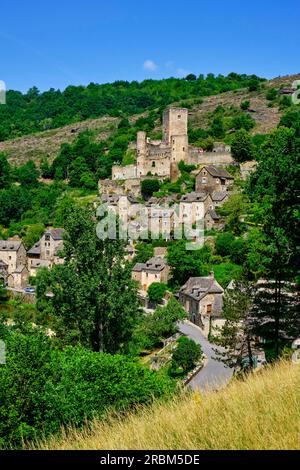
{"x": 262, "y": 412}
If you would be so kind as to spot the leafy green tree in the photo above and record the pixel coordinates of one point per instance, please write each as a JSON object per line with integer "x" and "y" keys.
{"x": 254, "y": 84}
{"x": 271, "y": 94}
{"x": 156, "y": 291}
{"x": 5, "y": 172}
{"x": 33, "y": 234}
{"x": 45, "y": 168}
{"x": 187, "y": 263}
{"x": 191, "y": 76}
{"x": 245, "y": 105}
{"x": 85, "y": 305}
{"x": 233, "y": 210}
{"x": 217, "y": 129}
{"x": 273, "y": 187}
{"x": 149, "y": 186}
{"x": 186, "y": 355}
{"x": 144, "y": 251}
{"x": 242, "y": 148}
{"x": 237, "y": 330}
{"x": 162, "y": 324}
{"x": 28, "y": 175}
{"x": 292, "y": 121}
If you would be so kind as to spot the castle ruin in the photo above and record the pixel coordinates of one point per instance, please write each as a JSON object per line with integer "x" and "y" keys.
{"x": 159, "y": 157}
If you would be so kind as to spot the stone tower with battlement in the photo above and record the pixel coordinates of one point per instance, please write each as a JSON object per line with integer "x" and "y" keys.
{"x": 160, "y": 158}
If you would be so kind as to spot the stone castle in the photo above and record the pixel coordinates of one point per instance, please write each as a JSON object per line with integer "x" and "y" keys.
{"x": 159, "y": 157}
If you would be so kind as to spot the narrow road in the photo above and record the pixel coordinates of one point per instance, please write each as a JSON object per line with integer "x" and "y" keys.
{"x": 214, "y": 374}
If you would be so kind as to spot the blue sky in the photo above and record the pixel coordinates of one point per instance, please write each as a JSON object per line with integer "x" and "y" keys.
{"x": 60, "y": 42}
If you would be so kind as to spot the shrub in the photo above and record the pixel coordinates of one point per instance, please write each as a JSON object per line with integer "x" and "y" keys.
{"x": 42, "y": 388}
{"x": 149, "y": 186}
{"x": 186, "y": 355}
{"x": 271, "y": 94}
{"x": 245, "y": 105}
{"x": 156, "y": 291}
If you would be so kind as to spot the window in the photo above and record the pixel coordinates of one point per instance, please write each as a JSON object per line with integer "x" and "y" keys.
{"x": 183, "y": 148}
{"x": 47, "y": 237}
{"x": 179, "y": 116}
{"x": 209, "y": 308}
{"x": 204, "y": 180}
{"x": 153, "y": 164}
{"x": 47, "y": 252}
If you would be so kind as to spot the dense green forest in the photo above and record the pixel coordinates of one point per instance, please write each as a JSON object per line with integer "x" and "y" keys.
{"x": 34, "y": 111}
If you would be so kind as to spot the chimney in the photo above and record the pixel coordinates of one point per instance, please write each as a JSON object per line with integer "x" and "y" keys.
{"x": 212, "y": 275}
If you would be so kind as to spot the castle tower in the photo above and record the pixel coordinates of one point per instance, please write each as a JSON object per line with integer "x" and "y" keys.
{"x": 175, "y": 135}
{"x": 175, "y": 123}
{"x": 141, "y": 148}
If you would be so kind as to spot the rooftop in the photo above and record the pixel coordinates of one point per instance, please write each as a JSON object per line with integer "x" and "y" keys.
{"x": 10, "y": 245}
{"x": 153, "y": 264}
{"x": 194, "y": 197}
{"x": 199, "y": 287}
{"x": 217, "y": 172}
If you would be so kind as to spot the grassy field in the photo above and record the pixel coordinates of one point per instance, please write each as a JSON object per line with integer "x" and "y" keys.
{"x": 262, "y": 412}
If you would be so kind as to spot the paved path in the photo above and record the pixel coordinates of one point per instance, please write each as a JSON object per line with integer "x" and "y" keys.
{"x": 214, "y": 375}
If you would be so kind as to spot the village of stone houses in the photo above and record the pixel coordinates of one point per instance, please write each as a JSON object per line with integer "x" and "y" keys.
{"x": 203, "y": 287}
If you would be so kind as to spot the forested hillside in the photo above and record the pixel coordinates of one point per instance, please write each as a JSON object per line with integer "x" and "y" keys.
{"x": 35, "y": 111}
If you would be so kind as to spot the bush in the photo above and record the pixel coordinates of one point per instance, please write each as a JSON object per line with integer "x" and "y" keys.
{"x": 156, "y": 291}
{"x": 242, "y": 147}
{"x": 149, "y": 186}
{"x": 42, "y": 388}
{"x": 186, "y": 355}
{"x": 245, "y": 105}
{"x": 271, "y": 94}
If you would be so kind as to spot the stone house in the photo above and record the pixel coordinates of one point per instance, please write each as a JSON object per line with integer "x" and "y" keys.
{"x": 19, "y": 278}
{"x": 161, "y": 222}
{"x": 211, "y": 178}
{"x": 193, "y": 206}
{"x": 46, "y": 252}
{"x": 36, "y": 264}
{"x": 202, "y": 298}
{"x": 212, "y": 220}
{"x": 219, "y": 197}
{"x": 13, "y": 263}
{"x": 154, "y": 270}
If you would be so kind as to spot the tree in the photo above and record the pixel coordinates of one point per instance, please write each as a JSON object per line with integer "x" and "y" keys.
{"x": 217, "y": 129}
{"x": 234, "y": 209}
{"x": 187, "y": 263}
{"x": 28, "y": 174}
{"x": 237, "y": 330}
{"x": 33, "y": 234}
{"x": 245, "y": 105}
{"x": 85, "y": 305}
{"x": 149, "y": 186}
{"x": 5, "y": 172}
{"x": 186, "y": 355}
{"x": 190, "y": 77}
{"x": 156, "y": 291}
{"x": 242, "y": 148}
{"x": 254, "y": 84}
{"x": 273, "y": 187}
{"x": 162, "y": 324}
{"x": 271, "y": 94}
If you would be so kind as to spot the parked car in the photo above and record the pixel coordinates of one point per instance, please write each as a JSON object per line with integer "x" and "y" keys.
{"x": 29, "y": 290}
